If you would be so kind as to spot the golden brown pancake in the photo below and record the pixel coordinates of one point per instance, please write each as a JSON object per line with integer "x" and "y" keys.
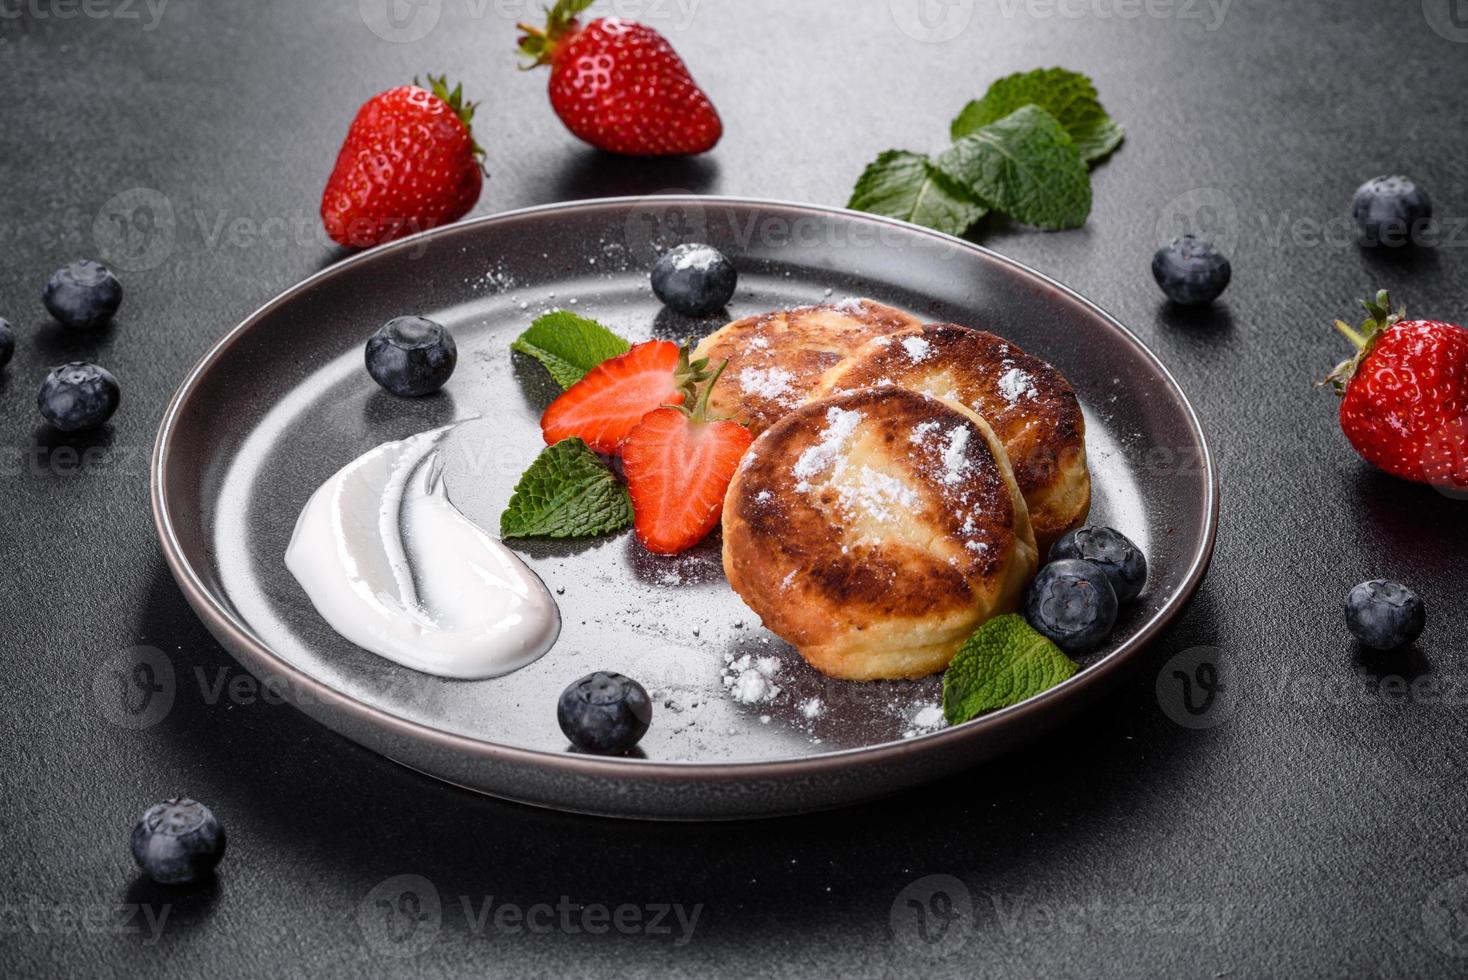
{"x": 1027, "y": 403}
{"x": 775, "y": 359}
{"x": 875, "y": 530}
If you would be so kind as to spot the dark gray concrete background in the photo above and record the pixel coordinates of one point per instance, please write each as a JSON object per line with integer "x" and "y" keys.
{"x": 1313, "y": 827}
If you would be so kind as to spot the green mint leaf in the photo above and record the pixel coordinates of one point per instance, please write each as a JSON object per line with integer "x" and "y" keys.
{"x": 1026, "y": 166}
{"x": 906, "y": 185}
{"x": 569, "y": 345}
{"x": 1003, "y": 663}
{"x": 1068, "y": 96}
{"x": 568, "y": 492}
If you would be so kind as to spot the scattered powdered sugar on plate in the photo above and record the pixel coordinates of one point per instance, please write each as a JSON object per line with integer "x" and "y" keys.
{"x": 927, "y": 718}
{"x": 917, "y": 348}
{"x": 812, "y": 708}
{"x": 772, "y": 383}
{"x": 750, "y": 679}
{"x": 1015, "y": 384}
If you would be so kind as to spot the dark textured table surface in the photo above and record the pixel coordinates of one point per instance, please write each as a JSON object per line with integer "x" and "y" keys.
{"x": 1311, "y": 823}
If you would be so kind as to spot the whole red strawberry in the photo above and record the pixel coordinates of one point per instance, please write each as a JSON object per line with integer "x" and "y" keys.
{"x": 409, "y": 163}
{"x": 1404, "y": 395}
{"x": 620, "y": 86}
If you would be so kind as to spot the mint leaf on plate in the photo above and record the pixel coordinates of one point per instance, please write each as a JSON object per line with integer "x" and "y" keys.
{"x": 1003, "y": 663}
{"x": 1068, "y": 96}
{"x": 569, "y": 345}
{"x": 1026, "y": 166}
{"x": 906, "y": 185}
{"x": 568, "y": 492}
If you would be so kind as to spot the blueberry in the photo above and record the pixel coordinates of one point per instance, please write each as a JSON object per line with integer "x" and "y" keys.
{"x": 1072, "y": 602}
{"x": 1191, "y": 271}
{"x": 83, "y": 294}
{"x": 694, "y": 280}
{"x": 411, "y": 356}
{"x": 1390, "y": 211}
{"x": 177, "y": 841}
{"x": 1109, "y": 550}
{"x": 1384, "y": 615}
{"x": 78, "y": 396}
{"x": 7, "y": 342}
{"x": 604, "y": 713}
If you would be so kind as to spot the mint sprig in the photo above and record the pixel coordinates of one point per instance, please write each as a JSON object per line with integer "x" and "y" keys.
{"x": 1026, "y": 166}
{"x": 1003, "y": 663}
{"x": 906, "y": 185}
{"x": 1068, "y": 96}
{"x": 568, "y": 492}
{"x": 569, "y": 345}
{"x": 1021, "y": 150}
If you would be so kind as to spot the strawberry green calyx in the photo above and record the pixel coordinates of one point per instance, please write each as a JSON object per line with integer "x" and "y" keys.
{"x": 1380, "y": 318}
{"x": 688, "y": 376}
{"x": 539, "y": 43}
{"x": 454, "y": 99}
{"x": 700, "y": 410}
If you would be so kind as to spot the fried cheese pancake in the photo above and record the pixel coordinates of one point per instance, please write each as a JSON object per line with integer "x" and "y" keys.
{"x": 775, "y": 359}
{"x": 1027, "y": 403}
{"x": 876, "y": 530}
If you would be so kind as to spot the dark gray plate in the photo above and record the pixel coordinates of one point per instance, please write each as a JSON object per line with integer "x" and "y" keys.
{"x": 283, "y": 401}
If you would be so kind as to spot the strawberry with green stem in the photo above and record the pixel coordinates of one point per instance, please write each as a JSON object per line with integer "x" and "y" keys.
{"x": 409, "y": 163}
{"x": 609, "y": 402}
{"x": 619, "y": 85}
{"x": 679, "y": 464}
{"x": 1404, "y": 395}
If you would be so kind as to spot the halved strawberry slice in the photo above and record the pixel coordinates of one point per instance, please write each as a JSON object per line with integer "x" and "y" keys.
{"x": 603, "y": 407}
{"x": 678, "y": 466}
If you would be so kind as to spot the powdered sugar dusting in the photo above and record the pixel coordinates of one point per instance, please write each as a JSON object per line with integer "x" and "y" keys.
{"x": 1015, "y": 384}
{"x": 751, "y": 680}
{"x": 955, "y": 460}
{"x": 840, "y": 424}
{"x": 851, "y": 304}
{"x": 917, "y": 348}
{"x": 923, "y": 431}
{"x": 772, "y": 383}
{"x": 877, "y": 494}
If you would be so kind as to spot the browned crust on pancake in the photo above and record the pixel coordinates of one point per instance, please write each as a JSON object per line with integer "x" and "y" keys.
{"x": 786, "y": 352}
{"x": 881, "y": 563}
{"x": 1042, "y": 429}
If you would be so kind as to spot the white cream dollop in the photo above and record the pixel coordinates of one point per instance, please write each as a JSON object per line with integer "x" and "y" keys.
{"x": 392, "y": 565}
